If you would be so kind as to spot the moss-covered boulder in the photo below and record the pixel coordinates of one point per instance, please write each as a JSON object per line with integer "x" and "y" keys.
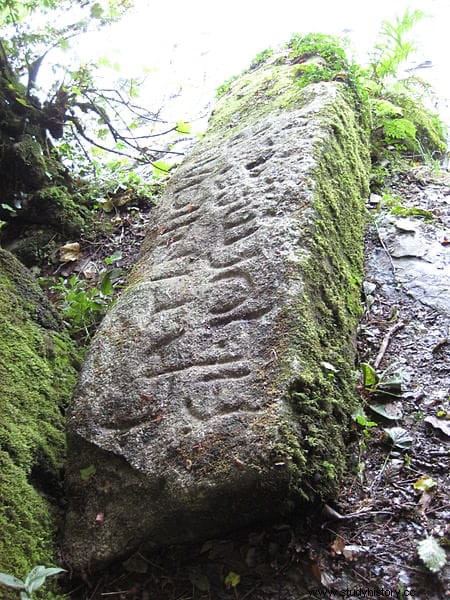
{"x": 219, "y": 388}
{"x": 37, "y": 375}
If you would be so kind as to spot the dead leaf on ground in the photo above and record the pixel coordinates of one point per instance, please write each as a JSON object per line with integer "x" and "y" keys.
{"x": 69, "y": 252}
{"x": 441, "y": 424}
{"x": 352, "y": 551}
{"x": 338, "y": 545}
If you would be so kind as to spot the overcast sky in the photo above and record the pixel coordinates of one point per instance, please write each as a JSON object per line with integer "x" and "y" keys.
{"x": 194, "y": 45}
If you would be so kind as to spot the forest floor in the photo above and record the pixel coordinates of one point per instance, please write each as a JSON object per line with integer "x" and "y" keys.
{"x": 396, "y": 492}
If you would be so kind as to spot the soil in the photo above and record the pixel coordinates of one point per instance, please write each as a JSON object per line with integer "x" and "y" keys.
{"x": 396, "y": 491}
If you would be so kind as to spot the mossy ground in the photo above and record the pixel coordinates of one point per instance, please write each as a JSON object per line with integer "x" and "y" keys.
{"x": 36, "y": 380}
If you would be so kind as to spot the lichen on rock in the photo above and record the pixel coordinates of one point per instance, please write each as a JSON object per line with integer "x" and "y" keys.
{"x": 219, "y": 388}
{"x": 37, "y": 376}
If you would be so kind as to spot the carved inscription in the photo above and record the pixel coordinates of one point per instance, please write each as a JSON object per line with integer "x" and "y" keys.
{"x": 203, "y": 315}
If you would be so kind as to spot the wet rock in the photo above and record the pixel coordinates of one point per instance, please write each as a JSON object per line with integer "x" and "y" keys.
{"x": 204, "y": 404}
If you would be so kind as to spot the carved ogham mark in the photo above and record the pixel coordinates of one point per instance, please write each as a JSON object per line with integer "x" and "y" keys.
{"x": 236, "y": 273}
{"x": 240, "y": 235}
{"x": 236, "y": 206}
{"x": 167, "y": 338}
{"x": 201, "y": 162}
{"x": 239, "y": 219}
{"x": 171, "y": 304}
{"x": 243, "y": 313}
{"x": 232, "y": 258}
{"x": 188, "y": 208}
{"x": 188, "y": 182}
{"x": 170, "y": 269}
{"x": 237, "y": 372}
{"x": 182, "y": 221}
{"x": 198, "y": 365}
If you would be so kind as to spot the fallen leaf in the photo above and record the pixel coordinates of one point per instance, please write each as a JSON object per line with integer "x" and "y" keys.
{"x": 87, "y": 472}
{"x": 147, "y": 397}
{"x": 351, "y": 551}
{"x": 199, "y": 580}
{"x": 232, "y": 579}
{"x": 136, "y": 564}
{"x": 442, "y": 424}
{"x": 424, "y": 483}
{"x": 69, "y": 252}
{"x": 338, "y": 545}
{"x": 432, "y": 555}
{"x": 400, "y": 437}
{"x": 425, "y": 501}
{"x": 391, "y": 411}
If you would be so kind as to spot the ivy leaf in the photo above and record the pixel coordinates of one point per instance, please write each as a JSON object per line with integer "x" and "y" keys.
{"x": 63, "y": 44}
{"x": 88, "y": 472}
{"x": 183, "y": 127}
{"x": 232, "y": 579}
{"x": 23, "y": 102}
{"x": 432, "y": 555}
{"x": 369, "y": 375}
{"x": 199, "y": 580}
{"x": 388, "y": 411}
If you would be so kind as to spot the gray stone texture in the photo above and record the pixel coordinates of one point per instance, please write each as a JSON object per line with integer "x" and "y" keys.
{"x": 184, "y": 405}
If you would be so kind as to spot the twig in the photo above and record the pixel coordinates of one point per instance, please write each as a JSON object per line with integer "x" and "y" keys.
{"x": 378, "y": 476}
{"x": 385, "y": 248}
{"x": 386, "y": 341}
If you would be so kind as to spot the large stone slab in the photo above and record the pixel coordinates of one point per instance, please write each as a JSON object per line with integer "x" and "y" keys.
{"x": 218, "y": 389}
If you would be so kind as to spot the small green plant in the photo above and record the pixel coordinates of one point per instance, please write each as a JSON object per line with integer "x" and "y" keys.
{"x": 82, "y": 306}
{"x": 225, "y": 87}
{"x": 388, "y": 382}
{"x": 361, "y": 419}
{"x": 261, "y": 58}
{"x": 33, "y": 581}
{"x": 321, "y": 58}
{"x": 393, "y": 47}
{"x": 400, "y": 119}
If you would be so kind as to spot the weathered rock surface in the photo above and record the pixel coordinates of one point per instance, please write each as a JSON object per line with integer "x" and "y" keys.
{"x": 36, "y": 382}
{"x": 218, "y": 389}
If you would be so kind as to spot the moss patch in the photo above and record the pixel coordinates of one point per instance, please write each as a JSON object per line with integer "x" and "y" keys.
{"x": 319, "y": 327}
{"x": 36, "y": 380}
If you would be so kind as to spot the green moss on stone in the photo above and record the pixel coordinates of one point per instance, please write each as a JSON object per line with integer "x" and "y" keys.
{"x": 55, "y": 206}
{"x": 36, "y": 380}
{"x": 319, "y": 327}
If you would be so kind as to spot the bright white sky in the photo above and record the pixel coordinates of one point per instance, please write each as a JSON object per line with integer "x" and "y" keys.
{"x": 194, "y": 45}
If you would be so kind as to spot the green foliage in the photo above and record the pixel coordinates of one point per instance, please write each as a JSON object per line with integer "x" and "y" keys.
{"x": 400, "y": 119}
{"x": 33, "y": 581}
{"x": 225, "y": 87}
{"x": 261, "y": 58}
{"x": 320, "y": 58}
{"x": 394, "y": 47}
{"x": 82, "y": 305}
{"x": 395, "y": 204}
{"x": 388, "y": 382}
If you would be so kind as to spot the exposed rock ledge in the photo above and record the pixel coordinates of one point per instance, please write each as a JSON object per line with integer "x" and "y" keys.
{"x": 218, "y": 390}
